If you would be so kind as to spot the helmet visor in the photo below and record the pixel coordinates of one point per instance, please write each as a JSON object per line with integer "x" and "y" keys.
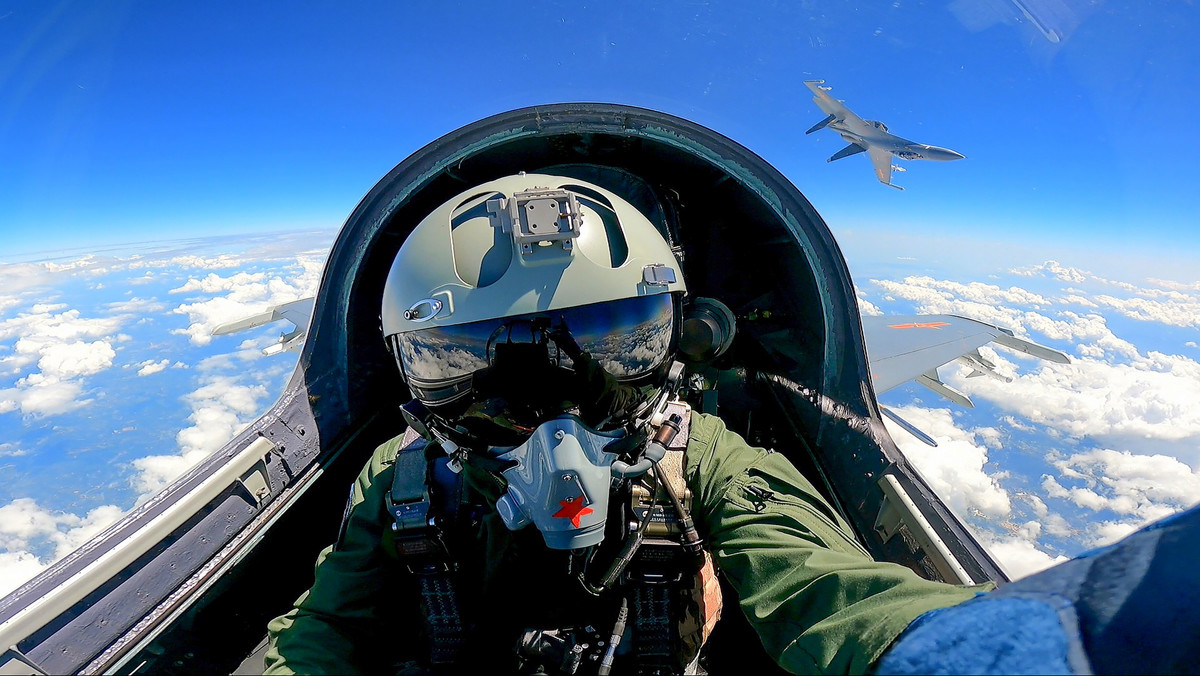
{"x": 630, "y": 338}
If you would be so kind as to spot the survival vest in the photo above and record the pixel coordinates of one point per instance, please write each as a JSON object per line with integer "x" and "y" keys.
{"x": 671, "y": 607}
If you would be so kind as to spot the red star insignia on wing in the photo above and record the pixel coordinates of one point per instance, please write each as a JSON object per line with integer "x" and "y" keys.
{"x": 572, "y": 508}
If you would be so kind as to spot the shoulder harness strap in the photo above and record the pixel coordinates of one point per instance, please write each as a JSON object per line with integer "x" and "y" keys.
{"x": 422, "y": 551}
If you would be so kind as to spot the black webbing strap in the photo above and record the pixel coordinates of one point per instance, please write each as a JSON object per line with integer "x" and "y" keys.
{"x": 443, "y": 620}
{"x": 420, "y": 549}
{"x": 408, "y": 485}
{"x": 653, "y": 632}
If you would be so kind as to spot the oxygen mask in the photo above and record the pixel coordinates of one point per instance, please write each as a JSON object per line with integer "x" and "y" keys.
{"x": 560, "y": 483}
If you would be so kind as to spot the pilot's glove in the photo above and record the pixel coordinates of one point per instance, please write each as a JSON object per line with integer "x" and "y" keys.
{"x": 560, "y": 333}
{"x": 1126, "y": 608}
{"x": 984, "y": 636}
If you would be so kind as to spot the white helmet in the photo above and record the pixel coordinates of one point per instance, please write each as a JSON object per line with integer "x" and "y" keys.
{"x": 499, "y": 292}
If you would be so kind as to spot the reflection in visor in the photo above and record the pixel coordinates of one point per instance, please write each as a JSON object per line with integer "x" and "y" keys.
{"x": 629, "y": 338}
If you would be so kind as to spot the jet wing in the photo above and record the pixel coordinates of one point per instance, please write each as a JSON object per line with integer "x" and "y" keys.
{"x": 298, "y": 312}
{"x": 882, "y": 159}
{"x": 903, "y": 348}
{"x": 828, "y": 104}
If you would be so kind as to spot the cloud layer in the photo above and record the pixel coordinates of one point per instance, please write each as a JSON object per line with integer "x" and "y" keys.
{"x": 63, "y": 347}
{"x": 59, "y": 353}
{"x": 26, "y": 526}
{"x": 1116, "y": 431}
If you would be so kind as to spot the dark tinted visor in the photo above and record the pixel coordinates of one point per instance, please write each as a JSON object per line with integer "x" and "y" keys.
{"x": 629, "y": 338}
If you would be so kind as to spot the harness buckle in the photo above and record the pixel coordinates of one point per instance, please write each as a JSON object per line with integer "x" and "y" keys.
{"x": 419, "y": 544}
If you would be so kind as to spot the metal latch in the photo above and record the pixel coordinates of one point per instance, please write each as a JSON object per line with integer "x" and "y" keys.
{"x": 657, "y": 274}
{"x": 254, "y": 480}
{"x": 539, "y": 216}
{"x": 409, "y": 515}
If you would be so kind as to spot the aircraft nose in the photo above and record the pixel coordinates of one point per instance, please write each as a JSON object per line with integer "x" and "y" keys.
{"x": 943, "y": 154}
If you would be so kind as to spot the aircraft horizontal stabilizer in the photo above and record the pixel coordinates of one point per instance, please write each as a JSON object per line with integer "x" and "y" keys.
{"x": 852, "y": 149}
{"x": 821, "y": 125}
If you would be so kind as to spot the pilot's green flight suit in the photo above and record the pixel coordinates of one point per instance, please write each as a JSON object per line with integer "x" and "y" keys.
{"x": 817, "y": 600}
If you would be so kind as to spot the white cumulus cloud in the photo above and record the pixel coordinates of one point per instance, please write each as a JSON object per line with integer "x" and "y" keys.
{"x": 1136, "y": 488}
{"x": 1174, "y": 310}
{"x": 150, "y": 367}
{"x": 1112, "y": 391}
{"x": 64, "y": 346}
{"x": 955, "y": 469}
{"x": 49, "y": 351}
{"x": 244, "y": 294}
{"x": 37, "y": 394}
{"x": 1055, "y": 270}
{"x": 76, "y": 359}
{"x": 26, "y": 528}
{"x": 865, "y": 306}
{"x": 1019, "y": 556}
{"x": 1129, "y": 410}
{"x": 243, "y": 282}
{"x": 220, "y": 409}
{"x": 1151, "y": 398}
{"x": 17, "y": 568}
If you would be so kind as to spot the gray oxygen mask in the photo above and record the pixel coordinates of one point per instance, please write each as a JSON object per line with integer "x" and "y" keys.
{"x": 560, "y": 483}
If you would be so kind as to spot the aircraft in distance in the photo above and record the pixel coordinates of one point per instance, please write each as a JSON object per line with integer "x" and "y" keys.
{"x": 298, "y": 312}
{"x": 870, "y": 136}
{"x": 188, "y": 580}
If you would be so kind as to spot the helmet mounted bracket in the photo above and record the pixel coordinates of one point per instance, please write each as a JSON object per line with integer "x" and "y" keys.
{"x": 537, "y": 217}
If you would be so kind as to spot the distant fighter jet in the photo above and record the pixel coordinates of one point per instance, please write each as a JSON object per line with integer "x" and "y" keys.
{"x": 870, "y": 136}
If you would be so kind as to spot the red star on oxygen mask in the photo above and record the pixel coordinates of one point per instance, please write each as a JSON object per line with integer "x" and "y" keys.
{"x": 572, "y": 508}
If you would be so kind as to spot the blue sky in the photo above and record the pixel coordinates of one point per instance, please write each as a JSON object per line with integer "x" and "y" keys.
{"x": 128, "y": 121}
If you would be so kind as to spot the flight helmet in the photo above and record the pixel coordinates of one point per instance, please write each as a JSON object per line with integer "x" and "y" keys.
{"x": 530, "y": 296}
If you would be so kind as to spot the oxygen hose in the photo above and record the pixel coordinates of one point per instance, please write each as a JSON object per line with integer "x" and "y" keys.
{"x": 617, "y": 632}
{"x": 692, "y": 543}
{"x": 627, "y": 552}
